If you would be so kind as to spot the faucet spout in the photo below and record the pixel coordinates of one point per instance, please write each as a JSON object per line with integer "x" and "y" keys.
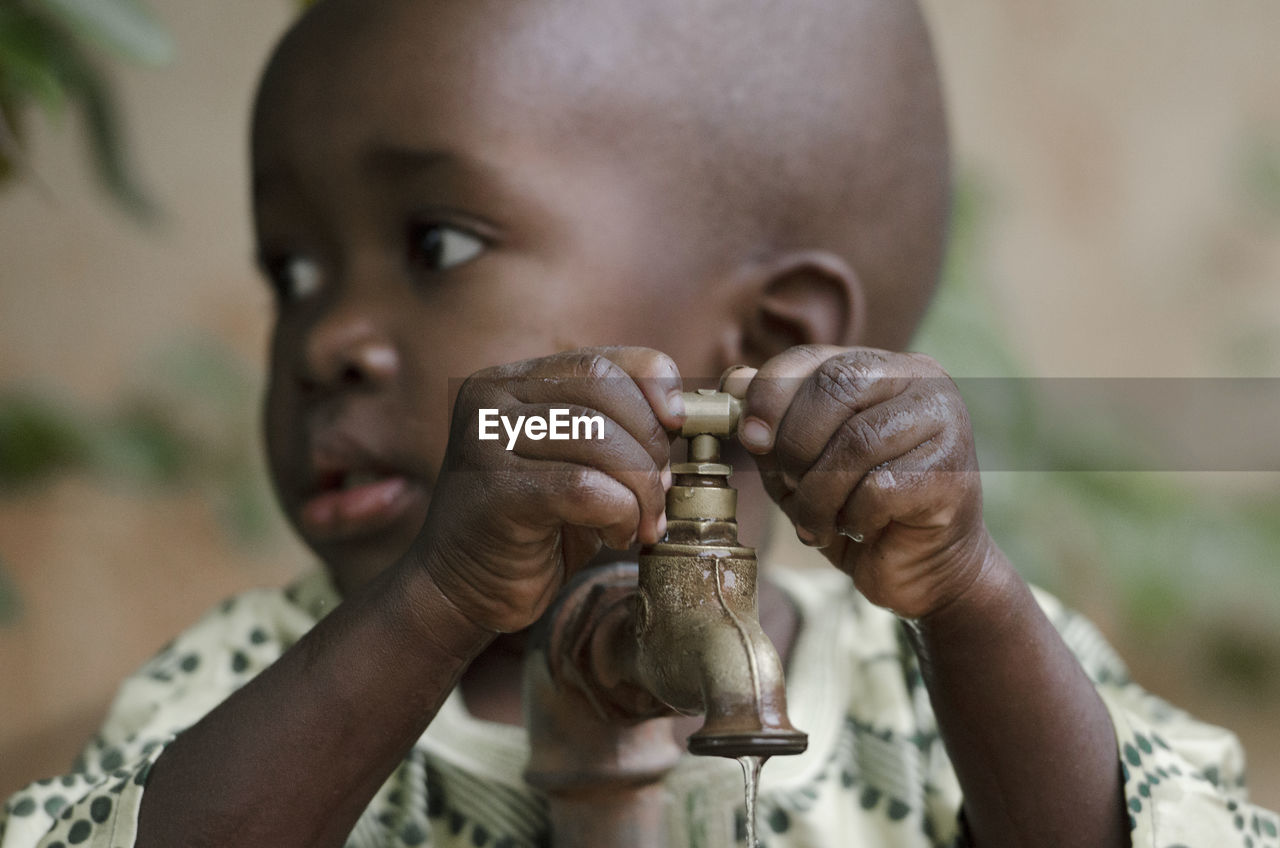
{"x": 701, "y": 648}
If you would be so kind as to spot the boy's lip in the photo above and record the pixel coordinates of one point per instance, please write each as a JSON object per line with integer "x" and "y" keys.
{"x": 353, "y": 494}
{"x": 366, "y": 507}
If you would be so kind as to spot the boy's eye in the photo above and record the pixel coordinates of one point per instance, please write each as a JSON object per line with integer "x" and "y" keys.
{"x": 439, "y": 247}
{"x": 294, "y": 277}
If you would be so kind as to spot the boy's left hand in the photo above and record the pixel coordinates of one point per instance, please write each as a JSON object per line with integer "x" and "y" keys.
{"x": 871, "y": 455}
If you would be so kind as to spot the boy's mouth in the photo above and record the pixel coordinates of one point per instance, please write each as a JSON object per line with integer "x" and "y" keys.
{"x": 345, "y": 503}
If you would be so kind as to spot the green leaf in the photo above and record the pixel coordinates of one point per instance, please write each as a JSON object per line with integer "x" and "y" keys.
{"x": 127, "y": 28}
{"x": 107, "y": 147}
{"x": 10, "y": 148}
{"x": 141, "y": 444}
{"x": 10, "y": 603}
{"x": 37, "y": 437}
{"x": 29, "y": 61}
{"x": 28, "y": 41}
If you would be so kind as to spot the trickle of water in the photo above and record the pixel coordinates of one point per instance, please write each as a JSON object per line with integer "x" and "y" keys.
{"x": 751, "y": 766}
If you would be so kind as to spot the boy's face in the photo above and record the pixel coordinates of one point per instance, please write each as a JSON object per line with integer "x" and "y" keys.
{"x": 430, "y": 200}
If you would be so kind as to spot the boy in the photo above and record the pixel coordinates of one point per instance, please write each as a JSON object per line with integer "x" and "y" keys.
{"x": 444, "y": 187}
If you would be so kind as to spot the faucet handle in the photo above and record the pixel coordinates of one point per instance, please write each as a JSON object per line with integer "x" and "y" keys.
{"x": 709, "y": 416}
{"x": 710, "y": 413}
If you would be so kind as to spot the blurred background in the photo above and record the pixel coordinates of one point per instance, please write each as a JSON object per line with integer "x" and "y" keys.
{"x": 1118, "y": 216}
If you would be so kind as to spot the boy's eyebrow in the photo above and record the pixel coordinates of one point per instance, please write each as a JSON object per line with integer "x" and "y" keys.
{"x": 390, "y": 159}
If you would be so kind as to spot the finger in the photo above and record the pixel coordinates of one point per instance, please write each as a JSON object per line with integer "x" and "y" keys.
{"x": 780, "y": 489}
{"x": 736, "y": 379}
{"x": 606, "y": 447}
{"x": 864, "y": 441}
{"x": 652, "y": 372}
{"x": 590, "y": 379}
{"x": 771, "y": 391}
{"x": 658, "y": 378}
{"x": 580, "y": 496}
{"x": 920, "y": 490}
{"x": 842, "y": 388}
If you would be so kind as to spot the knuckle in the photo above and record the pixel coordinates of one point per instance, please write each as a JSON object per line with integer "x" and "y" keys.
{"x": 882, "y": 480}
{"x": 861, "y": 435}
{"x": 588, "y": 490}
{"x": 653, "y": 360}
{"x": 473, "y": 389}
{"x": 589, "y": 363}
{"x": 845, "y": 380}
{"x": 595, "y": 366}
{"x": 815, "y": 353}
{"x": 581, "y": 486}
{"x": 663, "y": 365}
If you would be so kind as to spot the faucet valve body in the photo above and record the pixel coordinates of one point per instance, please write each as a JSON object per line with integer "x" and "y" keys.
{"x": 701, "y": 646}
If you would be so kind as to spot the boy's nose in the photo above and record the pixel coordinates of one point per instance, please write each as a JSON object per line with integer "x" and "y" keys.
{"x": 346, "y": 350}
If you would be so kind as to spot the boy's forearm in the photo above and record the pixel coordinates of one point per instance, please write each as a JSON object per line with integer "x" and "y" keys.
{"x": 1029, "y": 737}
{"x": 294, "y": 757}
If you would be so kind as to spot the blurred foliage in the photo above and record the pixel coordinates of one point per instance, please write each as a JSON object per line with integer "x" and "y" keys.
{"x": 10, "y": 609}
{"x": 1260, "y": 172}
{"x": 49, "y": 59}
{"x": 41, "y": 436}
{"x": 189, "y": 425}
{"x": 1167, "y": 550}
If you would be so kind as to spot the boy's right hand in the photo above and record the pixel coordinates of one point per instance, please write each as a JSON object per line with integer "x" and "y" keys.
{"x": 507, "y": 527}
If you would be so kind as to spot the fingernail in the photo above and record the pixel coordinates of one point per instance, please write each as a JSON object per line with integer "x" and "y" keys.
{"x": 736, "y": 380}
{"x": 662, "y": 526}
{"x": 666, "y": 477}
{"x": 806, "y": 537}
{"x": 675, "y": 404}
{"x": 754, "y": 433}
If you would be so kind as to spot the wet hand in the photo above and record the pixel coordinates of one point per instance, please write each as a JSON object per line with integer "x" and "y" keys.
{"x": 871, "y": 456}
{"x": 512, "y": 517}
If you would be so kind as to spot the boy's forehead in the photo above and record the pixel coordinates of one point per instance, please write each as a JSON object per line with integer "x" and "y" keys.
{"x": 355, "y": 59}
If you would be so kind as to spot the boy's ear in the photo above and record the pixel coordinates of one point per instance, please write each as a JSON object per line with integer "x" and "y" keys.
{"x": 810, "y": 297}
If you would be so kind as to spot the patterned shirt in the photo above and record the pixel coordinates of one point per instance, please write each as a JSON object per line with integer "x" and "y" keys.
{"x": 876, "y": 773}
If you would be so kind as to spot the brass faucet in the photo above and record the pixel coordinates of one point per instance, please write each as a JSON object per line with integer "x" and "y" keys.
{"x": 680, "y": 632}
{"x": 624, "y": 646}
{"x": 700, "y": 644}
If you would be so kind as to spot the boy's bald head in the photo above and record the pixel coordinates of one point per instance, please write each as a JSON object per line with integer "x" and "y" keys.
{"x": 770, "y": 127}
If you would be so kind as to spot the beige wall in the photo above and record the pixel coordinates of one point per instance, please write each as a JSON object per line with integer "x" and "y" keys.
{"x": 1114, "y": 140}
{"x": 1122, "y": 239}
